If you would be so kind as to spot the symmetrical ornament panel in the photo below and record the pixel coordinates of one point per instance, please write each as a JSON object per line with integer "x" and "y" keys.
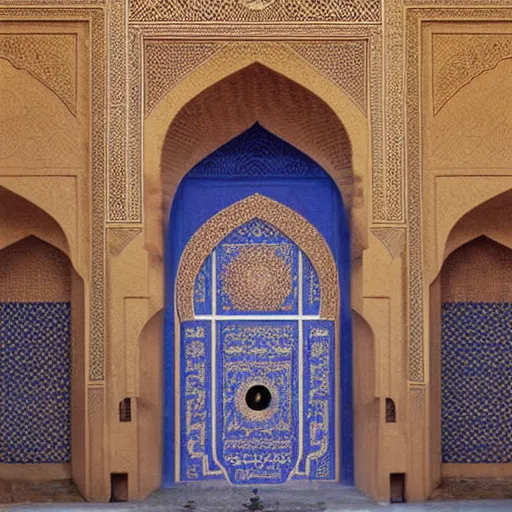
{"x": 234, "y": 348}
{"x": 368, "y": 11}
{"x": 50, "y": 58}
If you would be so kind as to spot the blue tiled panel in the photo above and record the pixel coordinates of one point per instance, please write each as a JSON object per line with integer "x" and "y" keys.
{"x": 310, "y": 288}
{"x": 476, "y": 377}
{"x": 257, "y": 153}
{"x": 257, "y": 236}
{"x": 319, "y": 401}
{"x": 203, "y": 289}
{"x": 257, "y": 446}
{"x": 35, "y": 382}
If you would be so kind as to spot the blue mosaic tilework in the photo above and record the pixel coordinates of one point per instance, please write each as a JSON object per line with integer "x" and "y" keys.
{"x": 197, "y": 461}
{"x": 257, "y": 269}
{"x": 257, "y": 446}
{"x": 476, "y": 371}
{"x": 257, "y": 153}
{"x": 319, "y": 458}
{"x": 203, "y": 289}
{"x": 310, "y": 288}
{"x": 35, "y": 382}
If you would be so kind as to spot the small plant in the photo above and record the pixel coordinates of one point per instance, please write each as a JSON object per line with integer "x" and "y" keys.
{"x": 255, "y": 500}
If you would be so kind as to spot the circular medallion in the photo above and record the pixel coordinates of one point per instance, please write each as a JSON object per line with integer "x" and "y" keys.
{"x": 257, "y": 401}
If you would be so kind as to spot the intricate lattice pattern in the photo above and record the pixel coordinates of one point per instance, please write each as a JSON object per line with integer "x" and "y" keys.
{"x": 35, "y": 382}
{"x": 344, "y": 62}
{"x": 168, "y": 62}
{"x": 256, "y": 10}
{"x": 476, "y": 392}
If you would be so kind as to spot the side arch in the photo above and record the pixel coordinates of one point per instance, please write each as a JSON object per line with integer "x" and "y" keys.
{"x": 298, "y": 229}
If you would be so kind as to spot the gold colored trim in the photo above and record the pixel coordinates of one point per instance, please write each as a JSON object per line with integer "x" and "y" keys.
{"x": 290, "y": 223}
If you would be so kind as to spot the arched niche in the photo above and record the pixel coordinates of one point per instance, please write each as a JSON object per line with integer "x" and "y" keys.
{"x": 278, "y": 185}
{"x": 20, "y": 218}
{"x": 242, "y": 66}
{"x": 470, "y": 314}
{"x": 42, "y": 310}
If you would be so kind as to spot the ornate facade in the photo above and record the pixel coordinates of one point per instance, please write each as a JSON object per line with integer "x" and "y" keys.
{"x": 159, "y": 241}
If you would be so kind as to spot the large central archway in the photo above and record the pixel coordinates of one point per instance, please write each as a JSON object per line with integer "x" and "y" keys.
{"x": 258, "y": 257}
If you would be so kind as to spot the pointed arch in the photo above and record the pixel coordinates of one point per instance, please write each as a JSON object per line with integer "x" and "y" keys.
{"x": 290, "y": 223}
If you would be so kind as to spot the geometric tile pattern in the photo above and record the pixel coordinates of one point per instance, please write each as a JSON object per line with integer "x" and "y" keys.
{"x": 35, "y": 382}
{"x": 476, "y": 392}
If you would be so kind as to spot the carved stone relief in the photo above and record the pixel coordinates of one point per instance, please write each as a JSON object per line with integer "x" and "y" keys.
{"x": 51, "y": 58}
{"x": 459, "y": 58}
{"x": 413, "y": 141}
{"x": 168, "y": 62}
{"x": 120, "y": 238}
{"x": 343, "y": 62}
{"x": 256, "y": 10}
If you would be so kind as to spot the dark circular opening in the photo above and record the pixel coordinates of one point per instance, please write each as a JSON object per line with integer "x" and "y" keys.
{"x": 258, "y": 398}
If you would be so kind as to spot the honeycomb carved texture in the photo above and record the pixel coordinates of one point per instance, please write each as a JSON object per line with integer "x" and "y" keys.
{"x": 50, "y": 58}
{"x": 256, "y": 10}
{"x": 119, "y": 197}
{"x": 416, "y": 356}
{"x": 459, "y": 58}
{"x": 167, "y": 63}
{"x": 394, "y": 203}
{"x": 290, "y": 223}
{"x": 342, "y": 62}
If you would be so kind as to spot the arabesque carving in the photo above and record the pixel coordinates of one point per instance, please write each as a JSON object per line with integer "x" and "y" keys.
{"x": 256, "y": 10}
{"x": 168, "y": 62}
{"x": 459, "y": 58}
{"x": 343, "y": 62}
{"x": 50, "y": 58}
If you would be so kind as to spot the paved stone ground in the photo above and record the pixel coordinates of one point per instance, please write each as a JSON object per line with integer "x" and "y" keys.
{"x": 296, "y": 497}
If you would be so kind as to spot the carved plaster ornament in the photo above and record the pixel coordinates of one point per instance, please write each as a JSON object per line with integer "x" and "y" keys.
{"x": 257, "y": 5}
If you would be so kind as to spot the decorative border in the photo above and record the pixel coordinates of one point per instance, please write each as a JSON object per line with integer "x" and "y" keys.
{"x": 290, "y": 223}
{"x": 95, "y": 17}
{"x": 414, "y": 19}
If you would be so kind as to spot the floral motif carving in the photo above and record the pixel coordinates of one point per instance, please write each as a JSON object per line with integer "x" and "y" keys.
{"x": 50, "y": 58}
{"x": 256, "y": 10}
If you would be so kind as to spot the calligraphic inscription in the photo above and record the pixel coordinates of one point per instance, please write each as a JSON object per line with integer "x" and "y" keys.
{"x": 257, "y": 270}
{"x": 310, "y": 288}
{"x": 257, "y": 446}
{"x": 319, "y": 402}
{"x": 203, "y": 289}
{"x": 196, "y": 455}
